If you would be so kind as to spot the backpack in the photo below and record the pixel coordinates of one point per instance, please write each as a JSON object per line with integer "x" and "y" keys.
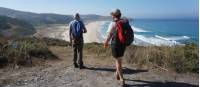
{"x": 123, "y": 34}
{"x": 77, "y": 27}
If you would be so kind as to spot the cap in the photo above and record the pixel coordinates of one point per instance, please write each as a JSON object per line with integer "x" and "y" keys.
{"x": 116, "y": 12}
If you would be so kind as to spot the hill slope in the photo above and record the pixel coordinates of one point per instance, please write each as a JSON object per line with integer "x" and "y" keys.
{"x": 99, "y": 73}
{"x": 11, "y": 27}
{"x": 46, "y": 18}
{"x": 34, "y": 18}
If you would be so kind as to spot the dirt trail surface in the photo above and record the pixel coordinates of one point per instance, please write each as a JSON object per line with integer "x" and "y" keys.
{"x": 60, "y": 73}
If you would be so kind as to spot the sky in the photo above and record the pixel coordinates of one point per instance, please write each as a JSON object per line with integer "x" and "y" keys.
{"x": 129, "y": 8}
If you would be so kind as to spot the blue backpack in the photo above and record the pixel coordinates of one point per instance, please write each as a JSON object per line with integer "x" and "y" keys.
{"x": 77, "y": 29}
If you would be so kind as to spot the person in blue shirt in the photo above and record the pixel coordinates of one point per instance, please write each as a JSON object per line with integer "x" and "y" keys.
{"x": 77, "y": 28}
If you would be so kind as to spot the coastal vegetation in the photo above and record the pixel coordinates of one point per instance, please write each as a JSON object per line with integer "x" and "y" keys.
{"x": 177, "y": 58}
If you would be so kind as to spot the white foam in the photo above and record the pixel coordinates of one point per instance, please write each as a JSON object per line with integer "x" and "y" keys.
{"x": 157, "y": 41}
{"x": 173, "y": 37}
{"x": 161, "y": 37}
{"x": 136, "y": 29}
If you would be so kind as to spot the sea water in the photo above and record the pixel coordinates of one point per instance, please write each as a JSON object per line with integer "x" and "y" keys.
{"x": 161, "y": 32}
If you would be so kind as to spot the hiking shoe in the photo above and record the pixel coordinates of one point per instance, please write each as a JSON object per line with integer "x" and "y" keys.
{"x": 75, "y": 65}
{"x": 82, "y": 67}
{"x": 122, "y": 83}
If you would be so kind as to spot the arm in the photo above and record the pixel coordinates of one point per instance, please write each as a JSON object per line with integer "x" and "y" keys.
{"x": 109, "y": 34}
{"x": 84, "y": 29}
{"x": 107, "y": 41}
{"x": 70, "y": 33}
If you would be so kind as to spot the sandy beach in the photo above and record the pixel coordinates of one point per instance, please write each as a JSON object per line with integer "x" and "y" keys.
{"x": 93, "y": 32}
{"x": 62, "y": 32}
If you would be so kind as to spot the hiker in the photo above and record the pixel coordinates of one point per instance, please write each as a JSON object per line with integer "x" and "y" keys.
{"x": 120, "y": 34}
{"x": 77, "y": 28}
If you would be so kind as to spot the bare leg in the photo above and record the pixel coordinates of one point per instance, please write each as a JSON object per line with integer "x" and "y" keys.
{"x": 119, "y": 69}
{"x": 117, "y": 75}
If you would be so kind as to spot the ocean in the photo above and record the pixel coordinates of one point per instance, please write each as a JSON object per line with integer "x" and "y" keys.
{"x": 161, "y": 32}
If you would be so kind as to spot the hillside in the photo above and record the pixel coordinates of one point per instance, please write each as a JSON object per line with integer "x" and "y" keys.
{"x": 99, "y": 72}
{"x": 94, "y": 17}
{"x": 12, "y": 27}
{"x": 34, "y": 18}
{"x": 46, "y": 18}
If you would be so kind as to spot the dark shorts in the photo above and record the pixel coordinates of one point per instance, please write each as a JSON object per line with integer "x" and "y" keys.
{"x": 118, "y": 51}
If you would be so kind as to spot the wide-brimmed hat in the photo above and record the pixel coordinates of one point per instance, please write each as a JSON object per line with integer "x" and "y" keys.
{"x": 116, "y": 12}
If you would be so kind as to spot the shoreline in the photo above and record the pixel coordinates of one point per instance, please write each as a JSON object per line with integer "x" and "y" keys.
{"x": 92, "y": 35}
{"x": 95, "y": 34}
{"x": 62, "y": 32}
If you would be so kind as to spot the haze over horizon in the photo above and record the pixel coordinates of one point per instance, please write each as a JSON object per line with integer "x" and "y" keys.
{"x": 158, "y": 9}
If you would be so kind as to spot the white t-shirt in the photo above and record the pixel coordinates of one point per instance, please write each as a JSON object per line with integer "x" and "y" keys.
{"x": 111, "y": 28}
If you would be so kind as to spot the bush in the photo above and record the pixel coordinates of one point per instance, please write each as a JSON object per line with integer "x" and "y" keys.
{"x": 97, "y": 49}
{"x": 187, "y": 59}
{"x": 21, "y": 51}
{"x": 55, "y": 42}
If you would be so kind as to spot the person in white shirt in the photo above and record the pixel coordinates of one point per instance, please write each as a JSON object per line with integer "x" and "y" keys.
{"x": 117, "y": 51}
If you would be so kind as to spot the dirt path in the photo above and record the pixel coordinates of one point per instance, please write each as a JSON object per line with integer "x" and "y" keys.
{"x": 60, "y": 73}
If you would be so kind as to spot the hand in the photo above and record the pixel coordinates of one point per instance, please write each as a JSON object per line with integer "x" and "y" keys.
{"x": 105, "y": 45}
{"x": 85, "y": 31}
{"x": 70, "y": 43}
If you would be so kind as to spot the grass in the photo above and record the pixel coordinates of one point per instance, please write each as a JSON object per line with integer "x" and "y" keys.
{"x": 178, "y": 58}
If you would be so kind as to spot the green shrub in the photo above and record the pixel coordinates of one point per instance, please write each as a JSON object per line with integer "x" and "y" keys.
{"x": 21, "y": 51}
{"x": 97, "y": 49}
{"x": 55, "y": 42}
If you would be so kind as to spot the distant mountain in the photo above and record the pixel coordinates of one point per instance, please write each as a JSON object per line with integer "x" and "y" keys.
{"x": 91, "y": 17}
{"x": 40, "y": 19}
{"x": 12, "y": 27}
{"x": 34, "y": 18}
